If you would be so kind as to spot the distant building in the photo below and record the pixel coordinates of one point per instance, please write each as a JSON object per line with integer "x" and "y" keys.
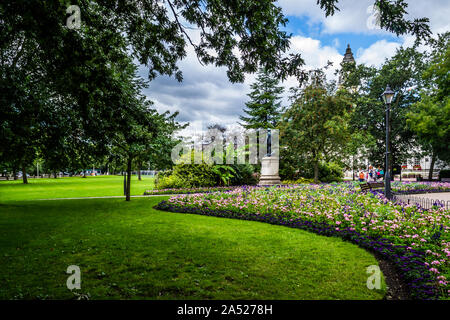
{"x": 415, "y": 165}
{"x": 348, "y": 58}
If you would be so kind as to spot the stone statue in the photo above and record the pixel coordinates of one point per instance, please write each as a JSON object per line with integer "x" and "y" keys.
{"x": 269, "y": 165}
{"x": 269, "y": 143}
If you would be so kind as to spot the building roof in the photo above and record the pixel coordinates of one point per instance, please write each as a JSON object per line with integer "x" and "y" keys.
{"x": 348, "y": 56}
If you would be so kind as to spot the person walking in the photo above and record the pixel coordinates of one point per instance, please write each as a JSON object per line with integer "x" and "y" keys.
{"x": 370, "y": 175}
{"x": 361, "y": 176}
{"x": 377, "y": 174}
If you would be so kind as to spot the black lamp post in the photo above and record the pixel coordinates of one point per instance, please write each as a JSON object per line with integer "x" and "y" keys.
{"x": 387, "y": 96}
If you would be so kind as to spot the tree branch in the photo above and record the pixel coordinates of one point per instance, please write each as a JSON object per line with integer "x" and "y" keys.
{"x": 180, "y": 26}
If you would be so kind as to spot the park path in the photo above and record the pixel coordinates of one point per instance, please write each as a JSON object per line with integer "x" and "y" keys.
{"x": 427, "y": 200}
{"x": 108, "y": 197}
{"x": 441, "y": 196}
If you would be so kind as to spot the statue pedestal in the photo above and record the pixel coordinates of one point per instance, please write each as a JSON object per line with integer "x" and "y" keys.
{"x": 269, "y": 171}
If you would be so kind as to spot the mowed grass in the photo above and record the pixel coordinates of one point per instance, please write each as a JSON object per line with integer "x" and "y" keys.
{"x": 128, "y": 250}
{"x": 71, "y": 187}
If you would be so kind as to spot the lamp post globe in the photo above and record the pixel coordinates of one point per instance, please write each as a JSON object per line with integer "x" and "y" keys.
{"x": 388, "y": 95}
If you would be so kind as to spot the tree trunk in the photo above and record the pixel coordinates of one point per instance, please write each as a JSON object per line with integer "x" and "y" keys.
{"x": 433, "y": 160}
{"x": 353, "y": 168}
{"x": 24, "y": 175}
{"x": 316, "y": 172}
{"x": 139, "y": 172}
{"x": 55, "y": 175}
{"x": 128, "y": 179}
{"x": 84, "y": 174}
{"x": 15, "y": 173}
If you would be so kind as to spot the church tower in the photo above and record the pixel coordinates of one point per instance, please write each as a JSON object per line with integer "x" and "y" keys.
{"x": 348, "y": 58}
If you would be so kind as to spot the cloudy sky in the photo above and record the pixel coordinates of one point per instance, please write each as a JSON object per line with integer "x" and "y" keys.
{"x": 206, "y": 96}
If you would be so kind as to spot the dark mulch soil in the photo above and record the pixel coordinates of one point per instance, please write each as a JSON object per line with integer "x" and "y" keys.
{"x": 397, "y": 289}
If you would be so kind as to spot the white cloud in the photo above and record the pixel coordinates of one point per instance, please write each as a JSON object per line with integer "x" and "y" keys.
{"x": 206, "y": 96}
{"x": 376, "y": 53}
{"x": 314, "y": 53}
{"x": 353, "y": 15}
{"x": 315, "y": 56}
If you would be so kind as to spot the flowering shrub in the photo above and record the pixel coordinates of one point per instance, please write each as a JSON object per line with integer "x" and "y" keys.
{"x": 416, "y": 240}
{"x": 397, "y": 187}
{"x": 298, "y": 181}
{"x": 419, "y": 187}
{"x": 186, "y": 190}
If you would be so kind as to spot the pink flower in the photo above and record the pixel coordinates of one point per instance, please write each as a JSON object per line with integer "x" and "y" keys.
{"x": 434, "y": 270}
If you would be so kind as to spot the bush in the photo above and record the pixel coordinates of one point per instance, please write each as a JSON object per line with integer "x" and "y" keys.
{"x": 244, "y": 175}
{"x": 170, "y": 182}
{"x": 293, "y": 169}
{"x": 205, "y": 175}
{"x": 301, "y": 180}
{"x": 188, "y": 176}
{"x": 444, "y": 173}
{"x": 330, "y": 172}
{"x": 161, "y": 174}
{"x": 256, "y": 176}
{"x": 196, "y": 175}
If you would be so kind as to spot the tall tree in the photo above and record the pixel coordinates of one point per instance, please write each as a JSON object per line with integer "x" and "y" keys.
{"x": 315, "y": 126}
{"x": 24, "y": 95}
{"x": 402, "y": 72}
{"x": 429, "y": 118}
{"x": 137, "y": 129}
{"x": 83, "y": 65}
{"x": 264, "y": 108}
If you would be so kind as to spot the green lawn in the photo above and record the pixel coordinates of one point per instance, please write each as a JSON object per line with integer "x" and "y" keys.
{"x": 127, "y": 250}
{"x": 71, "y": 187}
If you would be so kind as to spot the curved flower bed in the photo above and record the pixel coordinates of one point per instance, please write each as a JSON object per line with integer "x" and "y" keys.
{"x": 416, "y": 240}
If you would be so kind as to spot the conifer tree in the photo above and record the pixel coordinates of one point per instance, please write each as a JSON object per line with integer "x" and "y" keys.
{"x": 264, "y": 108}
